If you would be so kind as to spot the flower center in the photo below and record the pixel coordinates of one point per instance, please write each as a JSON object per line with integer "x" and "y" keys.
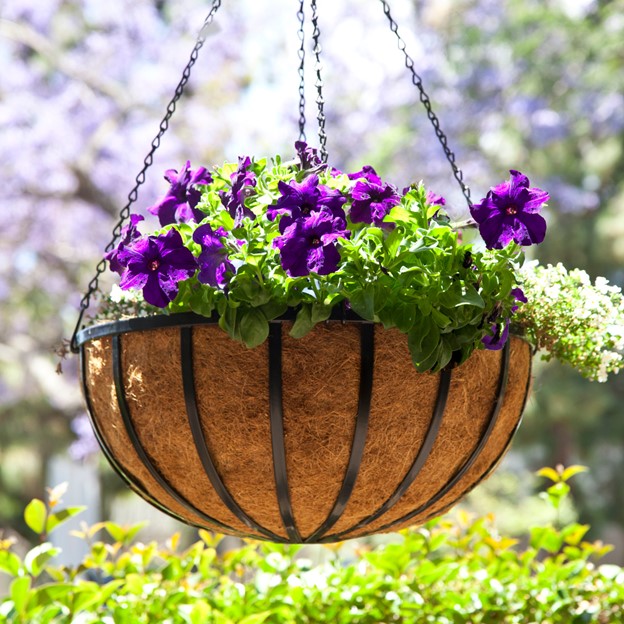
{"x": 306, "y": 208}
{"x": 316, "y": 241}
{"x": 511, "y": 210}
{"x": 153, "y": 265}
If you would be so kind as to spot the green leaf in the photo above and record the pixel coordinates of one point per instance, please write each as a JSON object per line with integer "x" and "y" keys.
{"x": 404, "y": 316}
{"x": 256, "y": 618}
{"x": 123, "y": 535}
{"x": 61, "y": 516}
{"x": 10, "y": 562}
{"x": 254, "y": 327}
{"x": 546, "y": 538}
{"x": 320, "y": 312}
{"x": 200, "y": 612}
{"x": 35, "y": 559}
{"x": 20, "y": 589}
{"x": 471, "y": 297}
{"x": 363, "y": 303}
{"x": 273, "y": 309}
{"x": 35, "y": 515}
{"x": 303, "y": 323}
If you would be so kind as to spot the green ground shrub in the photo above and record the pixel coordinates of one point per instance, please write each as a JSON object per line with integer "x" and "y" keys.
{"x": 450, "y": 571}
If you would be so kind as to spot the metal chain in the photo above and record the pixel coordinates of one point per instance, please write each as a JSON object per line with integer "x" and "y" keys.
{"x": 301, "y": 54}
{"x": 424, "y": 98}
{"x": 124, "y": 213}
{"x": 320, "y": 102}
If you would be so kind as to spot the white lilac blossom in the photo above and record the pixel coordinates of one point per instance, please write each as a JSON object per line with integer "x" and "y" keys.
{"x": 573, "y": 320}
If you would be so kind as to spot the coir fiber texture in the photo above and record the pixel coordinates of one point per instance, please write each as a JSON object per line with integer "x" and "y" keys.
{"x": 320, "y": 381}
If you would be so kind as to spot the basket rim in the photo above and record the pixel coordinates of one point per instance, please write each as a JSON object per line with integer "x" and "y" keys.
{"x": 189, "y": 319}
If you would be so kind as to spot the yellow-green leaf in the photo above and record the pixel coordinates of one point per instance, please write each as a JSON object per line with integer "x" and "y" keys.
{"x": 549, "y": 473}
{"x": 35, "y": 515}
{"x": 570, "y": 471}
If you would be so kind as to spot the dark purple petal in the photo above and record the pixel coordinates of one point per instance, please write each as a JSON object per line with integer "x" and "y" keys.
{"x": 368, "y": 174}
{"x": 308, "y": 156}
{"x": 156, "y": 264}
{"x": 213, "y": 262}
{"x": 372, "y": 203}
{"x": 309, "y": 244}
{"x": 129, "y": 233}
{"x": 435, "y": 200}
{"x": 509, "y": 213}
{"x": 243, "y": 185}
{"x": 301, "y": 199}
{"x": 497, "y": 340}
{"x": 518, "y": 293}
{"x": 179, "y": 204}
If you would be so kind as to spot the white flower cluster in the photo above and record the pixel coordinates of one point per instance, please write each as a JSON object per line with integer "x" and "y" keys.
{"x": 572, "y": 319}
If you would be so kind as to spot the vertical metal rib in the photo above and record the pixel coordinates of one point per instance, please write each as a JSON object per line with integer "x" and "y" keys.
{"x": 130, "y": 481}
{"x": 190, "y": 398}
{"x": 500, "y": 395}
{"x": 419, "y": 461}
{"x": 367, "y": 365}
{"x": 140, "y": 451}
{"x": 277, "y": 432}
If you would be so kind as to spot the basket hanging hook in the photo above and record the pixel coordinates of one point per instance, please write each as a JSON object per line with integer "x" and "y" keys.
{"x": 124, "y": 213}
{"x": 301, "y": 54}
{"x": 320, "y": 100}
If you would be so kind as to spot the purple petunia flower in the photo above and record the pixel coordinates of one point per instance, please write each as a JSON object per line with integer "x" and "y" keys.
{"x": 372, "y": 202}
{"x": 308, "y": 156}
{"x": 302, "y": 199}
{"x": 213, "y": 262}
{"x": 509, "y": 213}
{"x": 179, "y": 204}
{"x": 243, "y": 183}
{"x": 518, "y": 293}
{"x": 156, "y": 264}
{"x": 368, "y": 173}
{"x": 499, "y": 335}
{"x": 498, "y": 339}
{"x": 309, "y": 244}
{"x": 129, "y": 233}
{"x": 435, "y": 200}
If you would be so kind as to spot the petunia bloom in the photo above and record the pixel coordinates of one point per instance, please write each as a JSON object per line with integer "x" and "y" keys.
{"x": 509, "y": 212}
{"x": 213, "y": 263}
{"x": 368, "y": 173}
{"x": 156, "y": 264}
{"x": 309, "y": 244}
{"x": 129, "y": 233}
{"x": 179, "y": 204}
{"x": 308, "y": 156}
{"x": 500, "y": 335}
{"x": 301, "y": 199}
{"x": 435, "y": 200}
{"x": 243, "y": 184}
{"x": 372, "y": 202}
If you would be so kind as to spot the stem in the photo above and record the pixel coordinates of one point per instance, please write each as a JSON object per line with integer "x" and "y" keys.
{"x": 468, "y": 223}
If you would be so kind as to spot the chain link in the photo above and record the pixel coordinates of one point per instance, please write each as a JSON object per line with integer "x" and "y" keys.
{"x": 424, "y": 98}
{"x": 301, "y": 54}
{"x": 124, "y": 213}
{"x": 320, "y": 102}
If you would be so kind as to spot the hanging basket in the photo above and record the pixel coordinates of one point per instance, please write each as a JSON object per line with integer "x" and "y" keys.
{"x": 319, "y": 439}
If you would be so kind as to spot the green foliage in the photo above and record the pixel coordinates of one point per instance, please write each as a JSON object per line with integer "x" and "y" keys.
{"x": 450, "y": 571}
